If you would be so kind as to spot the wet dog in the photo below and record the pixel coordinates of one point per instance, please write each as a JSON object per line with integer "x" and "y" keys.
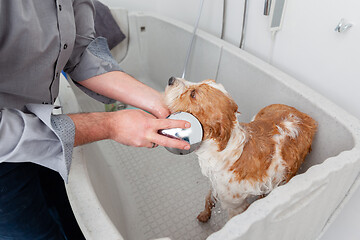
{"x": 244, "y": 161}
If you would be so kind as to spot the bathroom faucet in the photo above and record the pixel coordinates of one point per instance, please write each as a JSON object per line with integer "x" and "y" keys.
{"x": 267, "y": 7}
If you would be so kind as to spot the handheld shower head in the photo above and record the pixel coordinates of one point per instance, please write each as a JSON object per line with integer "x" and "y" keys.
{"x": 192, "y": 135}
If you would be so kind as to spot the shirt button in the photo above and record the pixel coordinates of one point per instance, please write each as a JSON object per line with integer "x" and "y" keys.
{"x": 57, "y": 74}
{"x": 65, "y": 46}
{"x": 60, "y": 8}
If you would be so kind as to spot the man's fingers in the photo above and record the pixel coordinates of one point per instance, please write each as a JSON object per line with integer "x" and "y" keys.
{"x": 170, "y": 142}
{"x": 156, "y": 138}
{"x": 171, "y": 123}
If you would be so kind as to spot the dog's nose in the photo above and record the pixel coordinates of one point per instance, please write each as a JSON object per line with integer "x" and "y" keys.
{"x": 171, "y": 81}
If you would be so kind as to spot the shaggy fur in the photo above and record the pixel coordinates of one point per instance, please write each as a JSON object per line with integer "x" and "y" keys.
{"x": 244, "y": 161}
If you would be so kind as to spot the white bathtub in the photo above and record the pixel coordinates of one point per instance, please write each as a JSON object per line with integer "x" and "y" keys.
{"x": 119, "y": 192}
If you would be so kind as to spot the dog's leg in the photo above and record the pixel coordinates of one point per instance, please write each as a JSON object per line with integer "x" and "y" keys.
{"x": 205, "y": 215}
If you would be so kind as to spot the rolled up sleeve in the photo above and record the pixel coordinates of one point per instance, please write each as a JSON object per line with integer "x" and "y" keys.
{"x": 95, "y": 60}
{"x": 91, "y": 56}
{"x": 37, "y": 136}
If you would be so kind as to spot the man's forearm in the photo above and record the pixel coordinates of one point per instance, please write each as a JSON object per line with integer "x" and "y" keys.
{"x": 90, "y": 127}
{"x": 122, "y": 87}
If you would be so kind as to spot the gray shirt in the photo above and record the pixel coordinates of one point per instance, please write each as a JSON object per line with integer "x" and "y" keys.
{"x": 39, "y": 39}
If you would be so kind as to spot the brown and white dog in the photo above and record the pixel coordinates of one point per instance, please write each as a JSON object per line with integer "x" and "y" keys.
{"x": 244, "y": 161}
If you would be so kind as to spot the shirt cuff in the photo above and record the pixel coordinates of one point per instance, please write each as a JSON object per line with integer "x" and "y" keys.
{"x": 64, "y": 129}
{"x": 95, "y": 60}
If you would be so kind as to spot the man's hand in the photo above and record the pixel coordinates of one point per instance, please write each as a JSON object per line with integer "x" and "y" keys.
{"x": 140, "y": 129}
{"x": 129, "y": 127}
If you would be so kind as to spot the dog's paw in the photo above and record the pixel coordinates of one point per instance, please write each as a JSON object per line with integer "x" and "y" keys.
{"x": 204, "y": 216}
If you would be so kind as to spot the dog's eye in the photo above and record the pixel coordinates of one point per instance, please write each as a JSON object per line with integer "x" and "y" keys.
{"x": 193, "y": 93}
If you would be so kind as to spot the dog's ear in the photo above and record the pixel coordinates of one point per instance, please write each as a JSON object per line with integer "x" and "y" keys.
{"x": 220, "y": 123}
{"x": 222, "y": 135}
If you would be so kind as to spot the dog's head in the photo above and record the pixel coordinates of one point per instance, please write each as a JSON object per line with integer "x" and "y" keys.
{"x": 209, "y": 102}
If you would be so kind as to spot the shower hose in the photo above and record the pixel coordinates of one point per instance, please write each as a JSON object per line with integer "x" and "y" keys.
{"x": 192, "y": 39}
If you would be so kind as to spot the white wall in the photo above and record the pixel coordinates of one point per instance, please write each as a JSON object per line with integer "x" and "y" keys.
{"x": 184, "y": 10}
{"x": 307, "y": 47}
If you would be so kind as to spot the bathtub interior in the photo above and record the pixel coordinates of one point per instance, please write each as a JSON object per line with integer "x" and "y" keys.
{"x": 162, "y": 46}
{"x": 150, "y": 194}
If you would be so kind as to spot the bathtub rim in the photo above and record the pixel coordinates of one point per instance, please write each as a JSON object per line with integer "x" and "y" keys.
{"x": 79, "y": 188}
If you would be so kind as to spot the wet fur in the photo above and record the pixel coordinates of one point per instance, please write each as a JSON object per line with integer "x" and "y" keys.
{"x": 244, "y": 161}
